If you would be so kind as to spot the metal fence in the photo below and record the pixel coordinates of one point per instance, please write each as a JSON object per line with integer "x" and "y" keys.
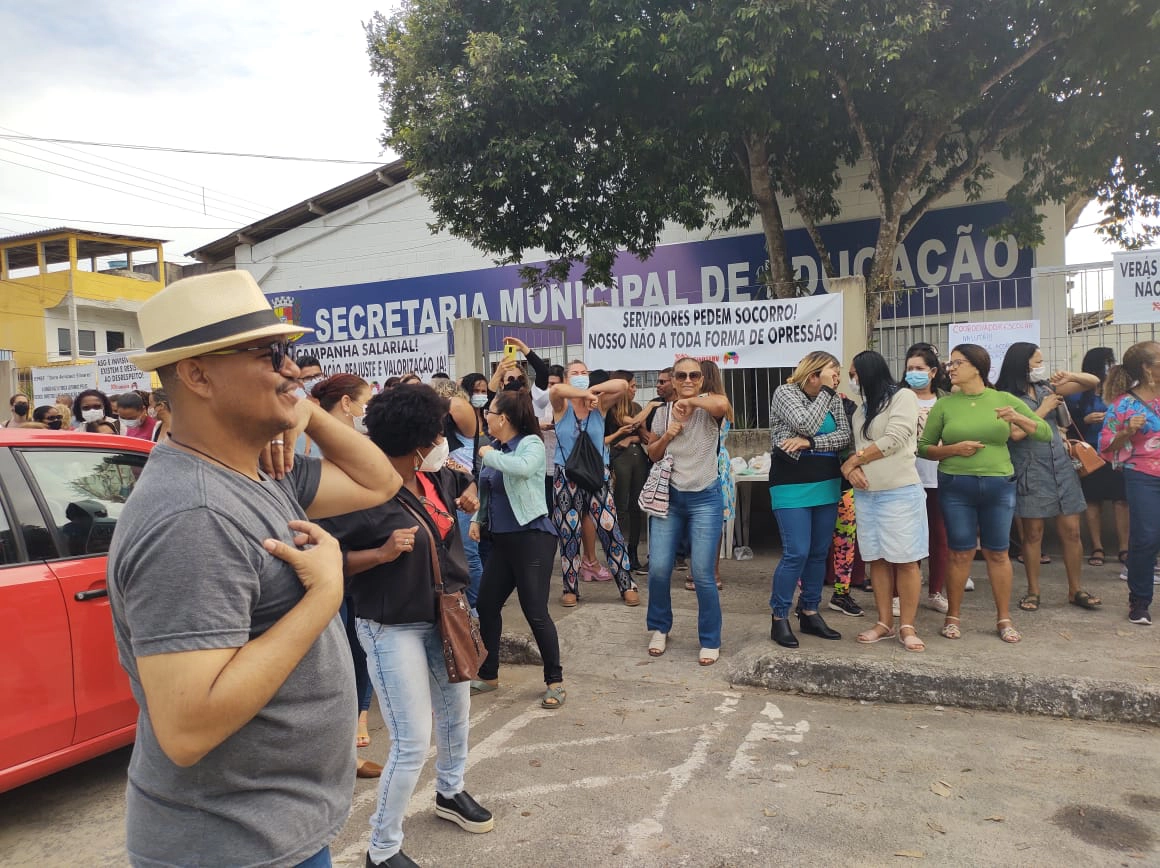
{"x": 550, "y": 343}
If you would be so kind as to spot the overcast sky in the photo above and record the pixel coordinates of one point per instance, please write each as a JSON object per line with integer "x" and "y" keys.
{"x": 283, "y": 77}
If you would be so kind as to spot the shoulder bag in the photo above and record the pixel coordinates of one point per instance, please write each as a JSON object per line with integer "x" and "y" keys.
{"x": 585, "y": 466}
{"x": 463, "y": 650}
{"x": 1083, "y": 455}
{"x": 654, "y": 496}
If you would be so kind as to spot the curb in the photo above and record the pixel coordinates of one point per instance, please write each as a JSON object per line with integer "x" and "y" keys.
{"x": 874, "y": 681}
{"x": 516, "y": 649}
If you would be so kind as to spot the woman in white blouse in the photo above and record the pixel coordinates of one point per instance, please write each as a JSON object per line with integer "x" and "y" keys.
{"x": 888, "y": 495}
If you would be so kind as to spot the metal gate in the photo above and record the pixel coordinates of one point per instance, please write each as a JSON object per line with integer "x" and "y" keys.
{"x": 550, "y": 343}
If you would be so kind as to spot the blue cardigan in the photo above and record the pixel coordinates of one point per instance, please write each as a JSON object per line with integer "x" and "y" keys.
{"x": 523, "y": 479}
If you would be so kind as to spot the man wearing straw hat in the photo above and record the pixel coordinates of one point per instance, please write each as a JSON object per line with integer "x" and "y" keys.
{"x": 224, "y": 596}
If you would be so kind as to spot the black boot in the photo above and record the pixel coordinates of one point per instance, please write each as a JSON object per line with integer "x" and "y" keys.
{"x": 815, "y": 626}
{"x": 781, "y": 633}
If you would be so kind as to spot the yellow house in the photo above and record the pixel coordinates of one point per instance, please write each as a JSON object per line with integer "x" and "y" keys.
{"x": 63, "y": 300}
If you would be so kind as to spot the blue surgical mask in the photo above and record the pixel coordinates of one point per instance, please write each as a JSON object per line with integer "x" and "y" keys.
{"x": 917, "y": 379}
{"x": 580, "y": 381}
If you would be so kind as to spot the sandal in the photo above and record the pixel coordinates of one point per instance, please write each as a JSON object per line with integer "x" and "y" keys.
{"x": 1030, "y": 603}
{"x": 1085, "y": 600}
{"x": 869, "y": 637}
{"x": 949, "y": 630}
{"x": 554, "y": 697}
{"x": 481, "y": 686}
{"x": 1008, "y": 634}
{"x": 689, "y": 586}
{"x": 1096, "y": 559}
{"x": 709, "y": 656}
{"x": 911, "y": 642}
{"x": 656, "y": 645}
{"x": 1123, "y": 556}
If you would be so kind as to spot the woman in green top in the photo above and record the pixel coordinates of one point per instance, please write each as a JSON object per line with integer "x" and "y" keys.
{"x": 967, "y": 433}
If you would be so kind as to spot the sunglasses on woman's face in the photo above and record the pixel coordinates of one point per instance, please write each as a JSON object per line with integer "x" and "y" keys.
{"x": 681, "y": 376}
{"x": 513, "y": 380}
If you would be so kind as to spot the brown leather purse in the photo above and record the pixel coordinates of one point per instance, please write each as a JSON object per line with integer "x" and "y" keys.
{"x": 1083, "y": 455}
{"x": 463, "y": 650}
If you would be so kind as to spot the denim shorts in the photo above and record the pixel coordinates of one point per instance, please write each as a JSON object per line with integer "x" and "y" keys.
{"x": 977, "y": 507}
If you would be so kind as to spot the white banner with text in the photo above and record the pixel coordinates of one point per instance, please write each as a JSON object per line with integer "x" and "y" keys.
{"x": 1136, "y": 286}
{"x": 69, "y": 380}
{"x": 994, "y": 337}
{"x": 742, "y": 334}
{"x": 379, "y": 360}
{"x": 116, "y": 374}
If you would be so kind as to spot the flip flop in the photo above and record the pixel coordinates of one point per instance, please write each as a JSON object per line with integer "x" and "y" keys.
{"x": 1030, "y": 603}
{"x": 1096, "y": 560}
{"x": 478, "y": 686}
{"x": 1085, "y": 600}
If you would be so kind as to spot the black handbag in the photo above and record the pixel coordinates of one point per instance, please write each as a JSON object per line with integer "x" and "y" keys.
{"x": 585, "y": 466}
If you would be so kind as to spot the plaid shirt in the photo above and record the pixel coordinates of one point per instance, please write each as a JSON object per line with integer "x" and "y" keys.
{"x": 793, "y": 413}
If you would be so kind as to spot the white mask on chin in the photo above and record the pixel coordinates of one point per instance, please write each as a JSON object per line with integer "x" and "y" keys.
{"x": 360, "y": 424}
{"x": 436, "y": 458}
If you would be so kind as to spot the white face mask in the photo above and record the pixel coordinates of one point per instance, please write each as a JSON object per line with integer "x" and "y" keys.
{"x": 152, "y": 411}
{"x": 1039, "y": 374}
{"x": 360, "y": 424}
{"x": 96, "y": 414}
{"x": 479, "y": 401}
{"x": 436, "y": 458}
{"x": 132, "y": 423}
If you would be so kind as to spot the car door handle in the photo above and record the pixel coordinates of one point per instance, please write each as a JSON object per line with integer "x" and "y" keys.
{"x": 81, "y": 596}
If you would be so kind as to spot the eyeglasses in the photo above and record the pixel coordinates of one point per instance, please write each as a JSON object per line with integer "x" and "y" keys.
{"x": 514, "y": 380}
{"x": 681, "y": 376}
{"x": 954, "y": 363}
{"x": 431, "y": 507}
{"x": 279, "y": 352}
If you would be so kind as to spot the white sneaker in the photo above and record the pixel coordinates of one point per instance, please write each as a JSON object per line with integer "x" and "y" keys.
{"x": 970, "y": 584}
{"x": 938, "y": 602}
{"x": 895, "y": 609}
{"x": 1124, "y": 576}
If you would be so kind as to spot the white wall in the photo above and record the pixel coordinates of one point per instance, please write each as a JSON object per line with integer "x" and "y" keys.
{"x": 99, "y": 320}
{"x": 385, "y": 237}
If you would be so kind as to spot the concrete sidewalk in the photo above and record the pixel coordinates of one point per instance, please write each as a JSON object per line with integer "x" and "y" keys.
{"x": 1071, "y": 663}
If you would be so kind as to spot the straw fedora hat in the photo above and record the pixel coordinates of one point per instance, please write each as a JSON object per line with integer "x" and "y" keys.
{"x": 197, "y": 315}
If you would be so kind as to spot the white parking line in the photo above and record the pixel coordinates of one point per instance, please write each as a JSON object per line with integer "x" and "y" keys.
{"x": 761, "y": 731}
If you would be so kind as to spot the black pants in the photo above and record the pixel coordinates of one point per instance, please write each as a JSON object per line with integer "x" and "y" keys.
{"x": 630, "y": 466}
{"x": 520, "y": 562}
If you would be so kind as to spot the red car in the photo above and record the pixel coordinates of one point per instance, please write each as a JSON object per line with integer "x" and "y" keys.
{"x": 66, "y": 698}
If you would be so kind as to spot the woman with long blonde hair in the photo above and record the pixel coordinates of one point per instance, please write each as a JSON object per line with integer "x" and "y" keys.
{"x": 808, "y": 431}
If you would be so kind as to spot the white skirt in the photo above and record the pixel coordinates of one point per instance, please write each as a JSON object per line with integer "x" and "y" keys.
{"x": 891, "y": 525}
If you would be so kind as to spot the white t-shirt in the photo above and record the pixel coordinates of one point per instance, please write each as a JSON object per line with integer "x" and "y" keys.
{"x": 927, "y": 469}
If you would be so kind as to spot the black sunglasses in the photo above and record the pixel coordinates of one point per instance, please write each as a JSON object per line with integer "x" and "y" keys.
{"x": 687, "y": 375}
{"x": 279, "y": 352}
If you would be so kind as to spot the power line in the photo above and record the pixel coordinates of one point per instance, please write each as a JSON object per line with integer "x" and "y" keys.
{"x": 231, "y": 228}
{"x": 227, "y": 212}
{"x": 191, "y": 151}
{"x": 198, "y": 187}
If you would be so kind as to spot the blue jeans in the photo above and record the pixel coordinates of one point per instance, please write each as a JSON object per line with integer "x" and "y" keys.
{"x": 977, "y": 509}
{"x": 1143, "y": 492}
{"x": 694, "y": 516}
{"x": 362, "y": 678}
{"x": 476, "y": 552}
{"x": 406, "y": 665}
{"x": 806, "y": 535}
{"x": 321, "y": 859}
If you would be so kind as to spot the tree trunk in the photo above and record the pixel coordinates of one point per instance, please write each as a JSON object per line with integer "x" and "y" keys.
{"x": 781, "y": 278}
{"x": 880, "y": 287}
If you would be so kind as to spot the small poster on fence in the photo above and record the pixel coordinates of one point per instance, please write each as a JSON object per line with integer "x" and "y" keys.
{"x": 994, "y": 337}
{"x": 1136, "y": 286}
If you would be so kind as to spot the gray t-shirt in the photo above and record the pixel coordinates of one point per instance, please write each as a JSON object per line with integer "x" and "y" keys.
{"x": 694, "y": 450}
{"x": 187, "y": 572}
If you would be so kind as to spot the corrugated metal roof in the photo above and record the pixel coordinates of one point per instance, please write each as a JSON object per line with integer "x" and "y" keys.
{"x": 305, "y": 211}
{"x": 56, "y": 251}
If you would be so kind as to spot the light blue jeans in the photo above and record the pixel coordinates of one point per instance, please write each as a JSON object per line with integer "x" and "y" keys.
{"x": 410, "y": 678}
{"x": 694, "y": 516}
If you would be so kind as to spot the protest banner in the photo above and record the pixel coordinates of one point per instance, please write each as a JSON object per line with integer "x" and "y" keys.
{"x": 994, "y": 337}
{"x": 1136, "y": 286}
{"x": 740, "y": 334}
{"x": 379, "y": 360}
{"x": 47, "y": 383}
{"x": 116, "y": 374}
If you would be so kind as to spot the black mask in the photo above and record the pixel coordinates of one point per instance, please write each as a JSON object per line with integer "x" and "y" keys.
{"x": 20, "y": 408}
{"x": 55, "y": 424}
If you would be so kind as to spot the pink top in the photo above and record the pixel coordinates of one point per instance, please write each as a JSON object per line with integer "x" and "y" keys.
{"x": 144, "y": 431}
{"x": 1142, "y": 452}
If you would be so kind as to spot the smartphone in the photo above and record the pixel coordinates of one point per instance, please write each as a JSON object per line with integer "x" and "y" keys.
{"x": 509, "y": 351}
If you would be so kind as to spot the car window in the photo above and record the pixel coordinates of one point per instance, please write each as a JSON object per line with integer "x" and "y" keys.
{"x": 8, "y": 552}
{"x": 85, "y": 492}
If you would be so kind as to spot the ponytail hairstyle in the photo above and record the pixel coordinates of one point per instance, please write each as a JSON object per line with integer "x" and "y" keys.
{"x": 940, "y": 382}
{"x": 1132, "y": 371}
{"x": 330, "y": 391}
{"x": 516, "y": 404}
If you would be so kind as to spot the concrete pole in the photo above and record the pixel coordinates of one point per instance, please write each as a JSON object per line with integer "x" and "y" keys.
{"x": 470, "y": 352}
{"x": 854, "y": 341}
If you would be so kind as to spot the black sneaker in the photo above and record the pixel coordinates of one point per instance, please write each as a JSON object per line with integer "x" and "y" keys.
{"x": 399, "y": 860}
{"x": 845, "y": 604}
{"x": 1138, "y": 611}
{"x": 465, "y": 812}
{"x": 639, "y": 569}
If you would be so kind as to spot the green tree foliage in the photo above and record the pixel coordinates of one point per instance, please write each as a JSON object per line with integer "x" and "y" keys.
{"x": 581, "y": 128}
